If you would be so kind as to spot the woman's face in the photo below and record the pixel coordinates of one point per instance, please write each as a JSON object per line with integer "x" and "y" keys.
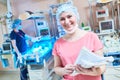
{"x": 19, "y": 27}
{"x": 68, "y": 21}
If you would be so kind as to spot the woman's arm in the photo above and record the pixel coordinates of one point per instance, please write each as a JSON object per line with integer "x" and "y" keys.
{"x": 33, "y": 39}
{"x": 59, "y": 69}
{"x": 15, "y": 47}
{"x": 28, "y": 37}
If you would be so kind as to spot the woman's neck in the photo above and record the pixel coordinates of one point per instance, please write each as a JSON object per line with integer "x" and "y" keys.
{"x": 16, "y": 30}
{"x": 75, "y": 36}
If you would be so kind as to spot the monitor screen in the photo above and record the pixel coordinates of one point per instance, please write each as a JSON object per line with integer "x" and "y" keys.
{"x": 106, "y": 26}
{"x": 44, "y": 32}
{"x": 6, "y": 47}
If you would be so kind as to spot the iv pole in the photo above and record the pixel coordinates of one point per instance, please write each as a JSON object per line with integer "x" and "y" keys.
{"x": 8, "y": 16}
{"x": 91, "y": 18}
{"x": 118, "y": 7}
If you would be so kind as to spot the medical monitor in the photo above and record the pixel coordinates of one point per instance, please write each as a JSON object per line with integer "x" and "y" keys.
{"x": 6, "y": 47}
{"x": 43, "y": 29}
{"x": 106, "y": 26}
{"x": 102, "y": 12}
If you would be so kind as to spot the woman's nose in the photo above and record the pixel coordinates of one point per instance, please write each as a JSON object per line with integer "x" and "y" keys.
{"x": 66, "y": 21}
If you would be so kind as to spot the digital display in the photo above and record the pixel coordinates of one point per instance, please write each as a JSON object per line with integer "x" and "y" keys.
{"x": 7, "y": 46}
{"x": 40, "y": 23}
{"x": 44, "y": 32}
{"x": 101, "y": 12}
{"x": 106, "y": 25}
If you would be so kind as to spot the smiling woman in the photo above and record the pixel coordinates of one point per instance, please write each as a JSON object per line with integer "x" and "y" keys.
{"x": 68, "y": 47}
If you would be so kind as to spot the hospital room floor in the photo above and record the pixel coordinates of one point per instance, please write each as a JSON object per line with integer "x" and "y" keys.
{"x": 14, "y": 75}
{"x": 9, "y": 75}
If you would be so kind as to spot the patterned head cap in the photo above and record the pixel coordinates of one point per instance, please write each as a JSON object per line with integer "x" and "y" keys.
{"x": 16, "y": 22}
{"x": 67, "y": 7}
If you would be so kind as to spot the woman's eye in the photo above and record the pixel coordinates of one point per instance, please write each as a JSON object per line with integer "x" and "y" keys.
{"x": 69, "y": 16}
{"x": 62, "y": 19}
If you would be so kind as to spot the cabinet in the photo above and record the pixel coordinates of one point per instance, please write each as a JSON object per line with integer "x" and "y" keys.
{"x": 7, "y": 63}
{"x": 112, "y": 73}
{"x": 42, "y": 72}
{"x": 6, "y": 57}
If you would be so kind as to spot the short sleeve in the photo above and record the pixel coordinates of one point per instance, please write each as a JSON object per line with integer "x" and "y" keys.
{"x": 12, "y": 36}
{"x": 22, "y": 32}
{"x": 54, "y": 51}
{"x": 97, "y": 43}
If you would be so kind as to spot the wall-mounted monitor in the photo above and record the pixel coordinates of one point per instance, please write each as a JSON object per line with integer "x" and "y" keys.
{"x": 106, "y": 26}
{"x": 102, "y": 12}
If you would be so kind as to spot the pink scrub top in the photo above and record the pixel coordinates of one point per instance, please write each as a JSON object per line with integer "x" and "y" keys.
{"x": 68, "y": 52}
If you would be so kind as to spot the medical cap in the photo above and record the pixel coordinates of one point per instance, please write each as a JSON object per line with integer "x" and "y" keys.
{"x": 16, "y": 22}
{"x": 66, "y": 7}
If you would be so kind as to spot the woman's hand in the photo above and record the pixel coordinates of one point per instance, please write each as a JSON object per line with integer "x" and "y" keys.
{"x": 82, "y": 70}
{"x": 68, "y": 69}
{"x": 93, "y": 71}
{"x": 35, "y": 39}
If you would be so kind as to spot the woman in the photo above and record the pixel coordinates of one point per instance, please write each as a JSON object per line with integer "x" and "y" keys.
{"x": 67, "y": 48}
{"x": 18, "y": 40}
